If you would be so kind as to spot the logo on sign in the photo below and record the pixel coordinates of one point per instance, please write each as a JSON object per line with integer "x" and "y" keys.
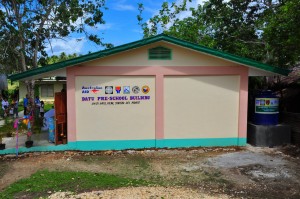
{"x": 90, "y": 89}
{"x": 135, "y": 89}
{"x": 145, "y": 89}
{"x": 109, "y": 90}
{"x": 126, "y": 89}
{"x": 118, "y": 89}
{"x": 95, "y": 91}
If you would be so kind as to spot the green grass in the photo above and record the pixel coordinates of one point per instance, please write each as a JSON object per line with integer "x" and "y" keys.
{"x": 48, "y": 106}
{"x": 40, "y": 183}
{"x": 20, "y": 108}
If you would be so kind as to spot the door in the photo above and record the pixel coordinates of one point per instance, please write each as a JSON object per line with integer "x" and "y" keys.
{"x": 60, "y": 104}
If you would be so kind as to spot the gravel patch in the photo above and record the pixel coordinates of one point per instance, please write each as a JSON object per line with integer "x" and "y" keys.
{"x": 138, "y": 193}
{"x": 245, "y": 158}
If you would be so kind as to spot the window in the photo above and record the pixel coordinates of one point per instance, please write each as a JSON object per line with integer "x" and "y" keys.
{"x": 160, "y": 53}
{"x": 47, "y": 90}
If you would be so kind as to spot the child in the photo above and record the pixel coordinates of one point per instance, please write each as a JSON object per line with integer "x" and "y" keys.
{"x": 5, "y": 106}
{"x": 42, "y": 109}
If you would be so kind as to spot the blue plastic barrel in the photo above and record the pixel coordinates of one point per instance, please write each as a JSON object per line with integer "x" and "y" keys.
{"x": 51, "y": 128}
{"x": 266, "y": 108}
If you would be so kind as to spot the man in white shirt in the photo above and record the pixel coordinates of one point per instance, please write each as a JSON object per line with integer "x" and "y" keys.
{"x": 5, "y": 106}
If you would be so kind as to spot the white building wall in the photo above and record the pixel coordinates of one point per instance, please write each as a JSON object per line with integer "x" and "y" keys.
{"x": 98, "y": 119}
{"x": 201, "y": 106}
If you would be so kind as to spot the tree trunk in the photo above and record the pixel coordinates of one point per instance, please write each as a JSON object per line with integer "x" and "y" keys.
{"x": 30, "y": 89}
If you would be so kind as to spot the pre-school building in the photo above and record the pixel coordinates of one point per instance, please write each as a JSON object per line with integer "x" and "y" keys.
{"x": 153, "y": 93}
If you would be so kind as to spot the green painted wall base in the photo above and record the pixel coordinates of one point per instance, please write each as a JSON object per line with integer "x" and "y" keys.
{"x": 208, "y": 142}
{"x": 133, "y": 144}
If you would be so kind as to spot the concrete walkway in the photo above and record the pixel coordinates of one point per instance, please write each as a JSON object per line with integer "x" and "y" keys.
{"x": 39, "y": 139}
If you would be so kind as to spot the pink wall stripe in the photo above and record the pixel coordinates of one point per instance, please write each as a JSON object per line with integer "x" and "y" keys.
{"x": 243, "y": 107}
{"x": 155, "y": 70}
{"x": 159, "y": 73}
{"x": 159, "y": 107}
{"x": 71, "y": 106}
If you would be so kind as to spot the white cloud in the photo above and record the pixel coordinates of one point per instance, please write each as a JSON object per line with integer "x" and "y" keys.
{"x": 101, "y": 27}
{"x": 69, "y": 46}
{"x": 193, "y": 4}
{"x": 104, "y": 26}
{"x": 124, "y": 7}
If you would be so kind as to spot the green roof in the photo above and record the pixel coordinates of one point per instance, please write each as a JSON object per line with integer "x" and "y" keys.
{"x": 143, "y": 42}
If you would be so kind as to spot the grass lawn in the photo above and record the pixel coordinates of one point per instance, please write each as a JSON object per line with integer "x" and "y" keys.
{"x": 47, "y": 106}
{"x": 20, "y": 108}
{"x": 42, "y": 182}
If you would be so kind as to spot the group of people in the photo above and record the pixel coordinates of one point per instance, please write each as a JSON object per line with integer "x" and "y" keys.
{"x": 11, "y": 109}
{"x": 36, "y": 108}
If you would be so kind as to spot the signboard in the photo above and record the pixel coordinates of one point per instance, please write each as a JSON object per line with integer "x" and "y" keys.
{"x": 115, "y": 95}
{"x": 266, "y": 105}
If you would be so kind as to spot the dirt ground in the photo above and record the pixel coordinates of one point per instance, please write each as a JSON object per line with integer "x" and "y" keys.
{"x": 247, "y": 172}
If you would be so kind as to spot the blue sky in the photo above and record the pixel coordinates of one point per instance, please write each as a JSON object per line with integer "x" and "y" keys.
{"x": 121, "y": 26}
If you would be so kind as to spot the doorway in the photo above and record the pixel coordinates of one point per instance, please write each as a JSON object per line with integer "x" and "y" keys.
{"x": 60, "y": 105}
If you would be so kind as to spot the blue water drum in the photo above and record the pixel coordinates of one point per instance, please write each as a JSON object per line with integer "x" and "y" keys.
{"x": 266, "y": 108}
{"x": 51, "y": 129}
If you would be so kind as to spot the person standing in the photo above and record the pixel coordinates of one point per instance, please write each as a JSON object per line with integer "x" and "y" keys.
{"x": 5, "y": 106}
{"x": 37, "y": 105}
{"x": 42, "y": 111}
{"x": 25, "y": 104}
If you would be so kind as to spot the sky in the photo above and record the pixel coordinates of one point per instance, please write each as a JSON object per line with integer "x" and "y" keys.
{"x": 121, "y": 26}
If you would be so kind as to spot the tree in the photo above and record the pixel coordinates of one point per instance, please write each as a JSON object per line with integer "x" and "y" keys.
{"x": 282, "y": 33}
{"x": 228, "y": 26}
{"x": 159, "y": 22}
{"x": 62, "y": 57}
{"x": 264, "y": 30}
{"x": 29, "y": 26}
